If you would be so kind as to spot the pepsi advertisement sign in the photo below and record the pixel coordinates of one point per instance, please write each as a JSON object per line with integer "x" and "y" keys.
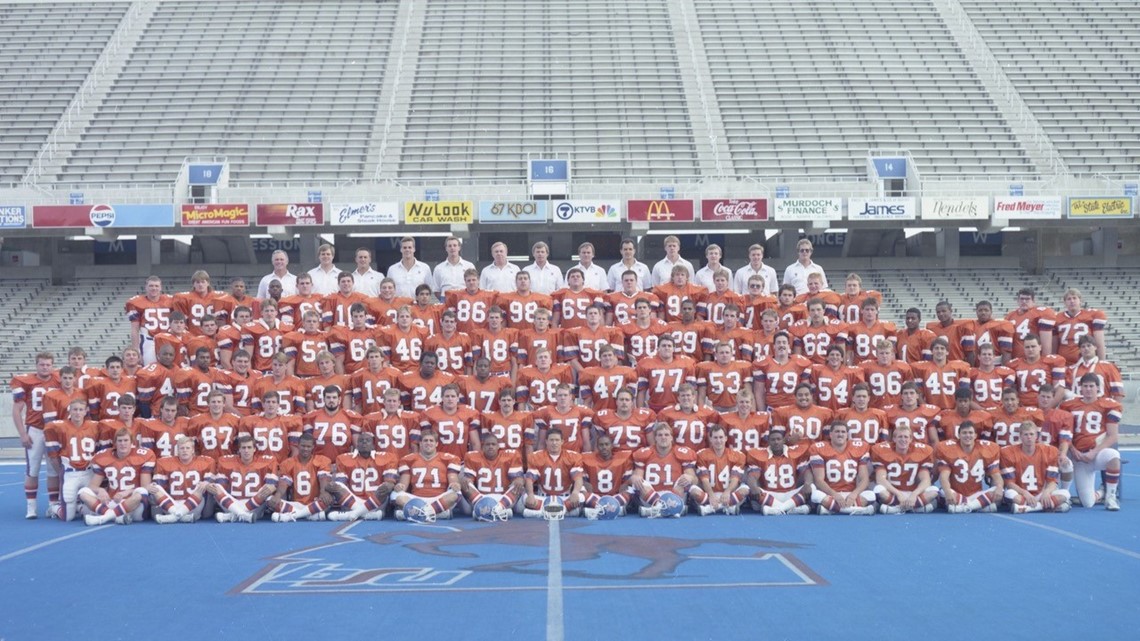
{"x": 102, "y": 215}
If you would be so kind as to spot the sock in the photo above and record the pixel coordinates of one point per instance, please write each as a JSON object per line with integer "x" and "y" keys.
{"x": 316, "y": 507}
{"x": 436, "y": 507}
{"x": 652, "y": 498}
{"x": 1111, "y": 480}
{"x": 830, "y": 504}
{"x": 592, "y": 500}
{"x": 30, "y": 491}
{"x": 698, "y": 495}
{"x": 167, "y": 504}
{"x": 739, "y": 496}
{"x": 371, "y": 504}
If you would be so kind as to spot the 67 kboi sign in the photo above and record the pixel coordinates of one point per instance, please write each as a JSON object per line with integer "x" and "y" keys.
{"x": 291, "y": 214}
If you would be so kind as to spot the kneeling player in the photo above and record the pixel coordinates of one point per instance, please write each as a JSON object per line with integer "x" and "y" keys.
{"x": 180, "y": 482}
{"x": 429, "y": 482}
{"x": 964, "y": 463}
{"x": 492, "y": 480}
{"x": 663, "y": 474}
{"x": 778, "y": 476}
{"x": 127, "y": 471}
{"x": 365, "y": 478}
{"x": 553, "y": 475}
{"x": 1031, "y": 470}
{"x": 243, "y": 483}
{"x": 902, "y": 473}
{"x": 302, "y": 484}
{"x": 71, "y": 445}
{"x": 720, "y": 472}
{"x": 1096, "y": 426}
{"x": 841, "y": 474}
{"x": 607, "y": 476}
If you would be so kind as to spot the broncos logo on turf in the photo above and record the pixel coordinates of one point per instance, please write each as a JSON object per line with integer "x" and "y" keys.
{"x": 466, "y": 556}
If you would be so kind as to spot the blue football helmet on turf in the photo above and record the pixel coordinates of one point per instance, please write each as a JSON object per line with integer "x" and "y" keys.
{"x": 488, "y": 509}
{"x": 553, "y": 508}
{"x": 608, "y": 508}
{"x": 670, "y": 504}
{"x": 417, "y": 511}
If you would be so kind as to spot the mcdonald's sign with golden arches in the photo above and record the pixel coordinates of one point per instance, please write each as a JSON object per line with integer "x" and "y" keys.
{"x": 660, "y": 211}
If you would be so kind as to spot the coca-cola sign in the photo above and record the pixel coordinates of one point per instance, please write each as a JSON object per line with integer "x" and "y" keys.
{"x": 730, "y": 210}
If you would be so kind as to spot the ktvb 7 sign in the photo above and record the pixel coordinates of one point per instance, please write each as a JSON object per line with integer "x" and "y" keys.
{"x": 660, "y": 211}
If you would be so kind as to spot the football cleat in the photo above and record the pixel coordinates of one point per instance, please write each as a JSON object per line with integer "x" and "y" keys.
{"x": 706, "y": 510}
{"x": 768, "y": 510}
{"x": 374, "y": 515}
{"x": 1111, "y": 503}
{"x": 31, "y": 510}
{"x": 418, "y": 511}
{"x": 319, "y": 516}
{"x": 890, "y": 509}
{"x": 54, "y": 511}
{"x": 283, "y": 517}
{"x": 125, "y": 519}
{"x": 224, "y": 517}
{"x": 166, "y": 519}
{"x": 671, "y": 504}
{"x": 732, "y": 510}
{"x": 99, "y": 519}
{"x": 1066, "y": 506}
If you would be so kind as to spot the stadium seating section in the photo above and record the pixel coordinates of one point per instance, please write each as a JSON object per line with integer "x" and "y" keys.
{"x": 352, "y": 90}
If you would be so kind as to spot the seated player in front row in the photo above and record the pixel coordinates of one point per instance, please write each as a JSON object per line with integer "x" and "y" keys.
{"x": 902, "y": 473}
{"x": 1031, "y": 470}
{"x": 553, "y": 475}
{"x": 964, "y": 465}
{"x": 720, "y": 472}
{"x": 429, "y": 481}
{"x": 492, "y": 480}
{"x": 365, "y": 478}
{"x": 127, "y": 471}
{"x": 178, "y": 491}
{"x": 302, "y": 483}
{"x": 840, "y": 469}
{"x": 243, "y": 483}
{"x": 663, "y": 474}
{"x": 608, "y": 473}
{"x": 778, "y": 476}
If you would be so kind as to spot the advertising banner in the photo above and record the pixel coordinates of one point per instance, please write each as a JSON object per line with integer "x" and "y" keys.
{"x": 13, "y": 217}
{"x": 1033, "y": 207}
{"x": 660, "y": 211}
{"x": 734, "y": 210}
{"x": 365, "y": 213}
{"x": 1094, "y": 207}
{"x": 215, "y": 215}
{"x": 936, "y": 208}
{"x": 516, "y": 211}
{"x": 442, "y": 212}
{"x": 581, "y": 211}
{"x": 808, "y": 209}
{"x": 47, "y": 216}
{"x": 881, "y": 209}
{"x": 290, "y": 214}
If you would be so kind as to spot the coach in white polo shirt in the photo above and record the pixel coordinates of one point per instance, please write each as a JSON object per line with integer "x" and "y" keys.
{"x": 280, "y": 272}
{"x": 545, "y": 278}
{"x": 410, "y": 273}
{"x": 756, "y": 266}
{"x": 595, "y": 276}
{"x": 499, "y": 276}
{"x": 704, "y": 276}
{"x": 796, "y": 274}
{"x": 448, "y": 275}
{"x": 325, "y": 273}
{"x": 365, "y": 279}
{"x": 629, "y": 262}
{"x": 663, "y": 270}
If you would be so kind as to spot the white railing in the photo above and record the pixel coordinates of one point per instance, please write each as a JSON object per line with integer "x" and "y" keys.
{"x": 397, "y": 70}
{"x": 699, "y": 80}
{"x": 79, "y": 102}
{"x": 975, "y": 46}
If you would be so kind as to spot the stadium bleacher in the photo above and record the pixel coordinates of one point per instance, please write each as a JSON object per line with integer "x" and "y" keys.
{"x": 807, "y": 88}
{"x": 288, "y": 94}
{"x": 596, "y": 80}
{"x": 1075, "y": 64}
{"x": 33, "y": 95}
